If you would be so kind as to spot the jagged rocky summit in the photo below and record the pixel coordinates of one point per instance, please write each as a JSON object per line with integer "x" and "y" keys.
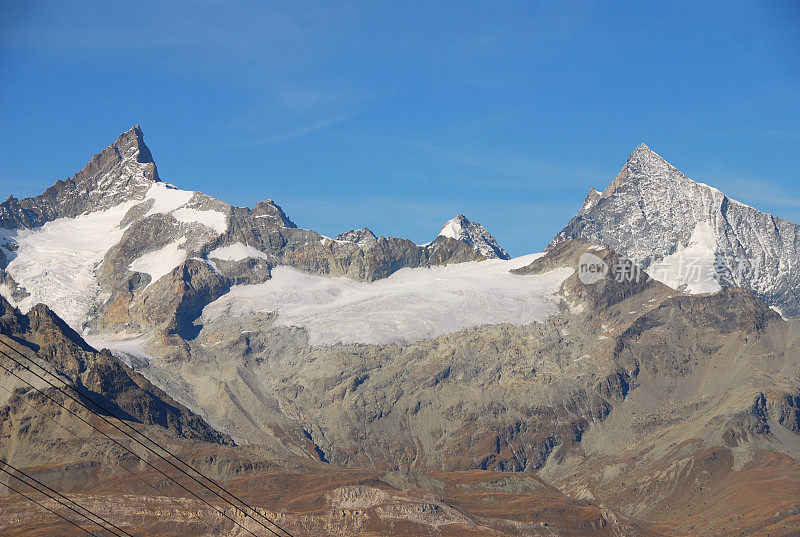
{"x": 475, "y": 235}
{"x": 690, "y": 235}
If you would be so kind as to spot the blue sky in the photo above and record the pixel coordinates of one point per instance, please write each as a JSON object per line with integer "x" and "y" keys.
{"x": 398, "y": 116}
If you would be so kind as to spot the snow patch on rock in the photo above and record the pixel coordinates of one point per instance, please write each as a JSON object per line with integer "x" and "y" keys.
{"x": 215, "y": 220}
{"x": 475, "y": 235}
{"x": 161, "y": 262}
{"x": 166, "y": 198}
{"x": 693, "y": 268}
{"x": 172, "y": 201}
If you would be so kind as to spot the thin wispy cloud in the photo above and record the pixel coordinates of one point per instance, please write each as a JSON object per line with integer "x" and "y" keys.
{"x": 297, "y": 132}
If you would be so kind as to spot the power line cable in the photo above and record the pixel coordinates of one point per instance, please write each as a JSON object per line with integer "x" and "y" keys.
{"x": 104, "y": 454}
{"x": 50, "y": 510}
{"x": 62, "y": 504}
{"x": 111, "y": 413}
{"x": 181, "y": 485}
{"x": 76, "y": 504}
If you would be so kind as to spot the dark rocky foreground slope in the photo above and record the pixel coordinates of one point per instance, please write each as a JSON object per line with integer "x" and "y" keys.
{"x": 42, "y": 337}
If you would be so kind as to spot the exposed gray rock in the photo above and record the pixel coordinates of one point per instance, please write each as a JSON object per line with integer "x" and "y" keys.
{"x": 123, "y": 171}
{"x": 361, "y": 236}
{"x": 652, "y": 210}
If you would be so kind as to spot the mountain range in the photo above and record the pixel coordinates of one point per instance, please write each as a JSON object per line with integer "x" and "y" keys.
{"x": 446, "y": 386}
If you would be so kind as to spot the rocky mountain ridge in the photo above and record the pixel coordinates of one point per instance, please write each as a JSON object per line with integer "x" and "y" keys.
{"x": 123, "y": 171}
{"x": 690, "y": 235}
{"x": 126, "y": 238}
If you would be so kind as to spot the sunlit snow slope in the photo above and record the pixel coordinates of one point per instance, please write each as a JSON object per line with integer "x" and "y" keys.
{"x": 410, "y": 305}
{"x": 56, "y": 262}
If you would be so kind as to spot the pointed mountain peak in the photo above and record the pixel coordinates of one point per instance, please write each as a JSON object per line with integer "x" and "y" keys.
{"x": 131, "y": 142}
{"x": 591, "y": 200}
{"x": 643, "y": 156}
{"x": 475, "y": 235}
{"x": 643, "y": 162}
{"x": 272, "y": 214}
{"x": 454, "y": 228}
{"x": 362, "y": 237}
{"x": 123, "y": 170}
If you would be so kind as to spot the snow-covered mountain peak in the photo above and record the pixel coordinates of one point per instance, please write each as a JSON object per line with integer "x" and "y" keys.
{"x": 689, "y": 234}
{"x": 475, "y": 235}
{"x": 454, "y": 228}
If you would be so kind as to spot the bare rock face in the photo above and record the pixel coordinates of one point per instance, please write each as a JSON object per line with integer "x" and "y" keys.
{"x": 362, "y": 236}
{"x": 43, "y": 335}
{"x": 123, "y": 171}
{"x": 651, "y": 211}
{"x": 272, "y": 214}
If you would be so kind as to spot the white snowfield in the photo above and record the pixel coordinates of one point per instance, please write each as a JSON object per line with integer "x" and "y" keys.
{"x": 171, "y": 200}
{"x": 215, "y": 220}
{"x": 161, "y": 262}
{"x": 56, "y": 262}
{"x": 410, "y": 305}
{"x": 692, "y": 266}
{"x": 166, "y": 198}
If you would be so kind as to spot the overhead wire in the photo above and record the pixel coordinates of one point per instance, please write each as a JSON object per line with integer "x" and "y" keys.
{"x": 145, "y": 437}
{"x": 148, "y": 463}
{"x": 119, "y": 532}
{"x": 50, "y": 510}
{"x": 107, "y": 456}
